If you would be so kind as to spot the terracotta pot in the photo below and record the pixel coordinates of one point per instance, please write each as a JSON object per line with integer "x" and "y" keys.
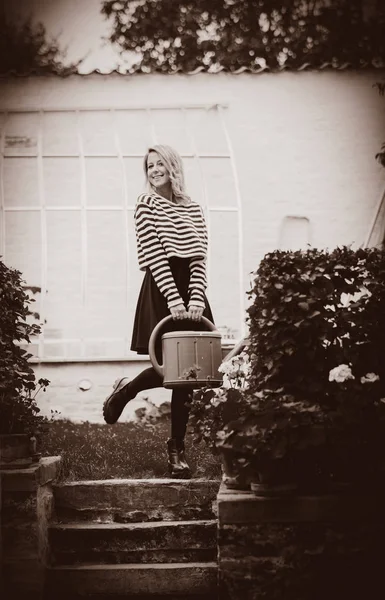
{"x": 272, "y": 479}
{"x": 17, "y": 451}
{"x": 273, "y": 489}
{"x": 233, "y": 476}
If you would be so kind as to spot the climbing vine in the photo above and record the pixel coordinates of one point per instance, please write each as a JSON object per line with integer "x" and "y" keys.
{"x": 167, "y": 36}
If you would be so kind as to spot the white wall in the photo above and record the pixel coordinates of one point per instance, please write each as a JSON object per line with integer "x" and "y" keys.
{"x": 304, "y": 144}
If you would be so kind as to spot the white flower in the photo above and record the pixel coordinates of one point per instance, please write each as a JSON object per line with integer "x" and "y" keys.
{"x": 370, "y": 378}
{"x": 235, "y": 371}
{"x": 341, "y": 373}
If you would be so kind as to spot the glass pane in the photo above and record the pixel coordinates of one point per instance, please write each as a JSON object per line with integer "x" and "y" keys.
{"x": 207, "y": 131}
{"x": 105, "y": 185}
{"x": 106, "y": 348}
{"x": 23, "y": 244}
{"x": 134, "y": 130}
{"x": 60, "y": 133}
{"x": 170, "y": 128}
{"x": 194, "y": 180}
{"x": 97, "y": 132}
{"x": 21, "y": 182}
{"x": 21, "y": 134}
{"x": 224, "y": 268}
{"x": 135, "y": 179}
{"x": 219, "y": 181}
{"x": 106, "y": 286}
{"x": 62, "y": 181}
{"x": 63, "y": 309}
{"x": 135, "y": 275}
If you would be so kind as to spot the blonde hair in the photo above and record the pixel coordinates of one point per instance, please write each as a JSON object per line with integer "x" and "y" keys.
{"x": 174, "y": 165}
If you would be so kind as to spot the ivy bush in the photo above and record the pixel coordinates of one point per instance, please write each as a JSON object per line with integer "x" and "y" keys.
{"x": 317, "y": 381}
{"x": 313, "y": 311}
{"x": 19, "y": 412}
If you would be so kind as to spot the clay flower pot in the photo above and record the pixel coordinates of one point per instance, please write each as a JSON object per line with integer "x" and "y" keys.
{"x": 272, "y": 479}
{"x": 233, "y": 476}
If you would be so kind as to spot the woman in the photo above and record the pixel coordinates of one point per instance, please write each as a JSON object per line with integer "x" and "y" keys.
{"x": 171, "y": 240}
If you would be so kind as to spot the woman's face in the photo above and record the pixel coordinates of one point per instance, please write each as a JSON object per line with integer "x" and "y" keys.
{"x": 156, "y": 171}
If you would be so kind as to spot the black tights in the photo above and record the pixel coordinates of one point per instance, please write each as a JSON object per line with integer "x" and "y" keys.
{"x": 180, "y": 397}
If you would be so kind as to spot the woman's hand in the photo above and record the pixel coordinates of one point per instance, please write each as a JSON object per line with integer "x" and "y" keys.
{"x": 179, "y": 312}
{"x": 195, "y": 312}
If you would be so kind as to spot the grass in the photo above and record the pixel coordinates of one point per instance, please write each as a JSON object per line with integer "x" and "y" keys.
{"x": 123, "y": 450}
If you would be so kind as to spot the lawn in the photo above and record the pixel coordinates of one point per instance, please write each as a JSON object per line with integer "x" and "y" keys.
{"x": 123, "y": 450}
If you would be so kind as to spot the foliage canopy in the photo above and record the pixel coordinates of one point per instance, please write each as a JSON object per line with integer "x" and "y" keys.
{"x": 170, "y": 36}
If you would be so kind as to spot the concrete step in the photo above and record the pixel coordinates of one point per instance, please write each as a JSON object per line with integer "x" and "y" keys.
{"x": 136, "y": 500}
{"x": 112, "y": 581}
{"x": 118, "y": 543}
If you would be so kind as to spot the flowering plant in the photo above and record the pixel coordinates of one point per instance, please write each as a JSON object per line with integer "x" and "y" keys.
{"x": 212, "y": 409}
{"x": 236, "y": 371}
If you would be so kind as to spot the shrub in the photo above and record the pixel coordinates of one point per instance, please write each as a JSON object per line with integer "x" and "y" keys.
{"x": 313, "y": 311}
{"x": 18, "y": 386}
{"x": 316, "y": 391}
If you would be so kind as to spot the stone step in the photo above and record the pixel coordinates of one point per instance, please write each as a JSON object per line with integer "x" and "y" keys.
{"x": 118, "y": 543}
{"x": 136, "y": 500}
{"x": 146, "y": 581}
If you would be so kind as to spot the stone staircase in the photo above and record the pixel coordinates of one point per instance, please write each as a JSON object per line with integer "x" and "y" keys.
{"x": 134, "y": 539}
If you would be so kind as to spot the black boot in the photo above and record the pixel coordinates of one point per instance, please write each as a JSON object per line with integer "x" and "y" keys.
{"x": 177, "y": 465}
{"x": 116, "y": 401}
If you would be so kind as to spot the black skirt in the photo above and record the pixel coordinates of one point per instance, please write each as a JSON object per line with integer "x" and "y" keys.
{"x": 152, "y": 307}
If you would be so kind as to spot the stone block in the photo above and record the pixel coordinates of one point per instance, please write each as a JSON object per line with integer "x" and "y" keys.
{"x": 157, "y": 542}
{"x": 304, "y": 548}
{"x": 135, "y": 580}
{"x": 134, "y": 500}
{"x": 27, "y": 504}
{"x": 246, "y": 507}
{"x": 23, "y": 480}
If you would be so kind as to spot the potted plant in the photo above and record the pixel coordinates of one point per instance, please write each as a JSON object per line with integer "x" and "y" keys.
{"x": 275, "y": 435}
{"x": 20, "y": 421}
{"x": 213, "y": 409}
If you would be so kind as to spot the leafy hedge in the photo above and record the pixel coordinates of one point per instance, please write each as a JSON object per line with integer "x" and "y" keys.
{"x": 18, "y": 386}
{"x": 316, "y": 390}
{"x": 313, "y": 311}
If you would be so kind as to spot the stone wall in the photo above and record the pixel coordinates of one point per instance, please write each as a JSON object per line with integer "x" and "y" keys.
{"x": 26, "y": 508}
{"x": 300, "y": 548}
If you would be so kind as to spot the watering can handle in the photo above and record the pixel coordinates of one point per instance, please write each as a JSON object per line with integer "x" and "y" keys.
{"x": 151, "y": 344}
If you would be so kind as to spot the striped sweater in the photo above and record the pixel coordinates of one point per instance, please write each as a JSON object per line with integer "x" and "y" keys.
{"x": 165, "y": 229}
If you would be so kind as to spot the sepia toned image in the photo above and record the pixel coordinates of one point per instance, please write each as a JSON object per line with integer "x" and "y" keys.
{"x": 192, "y": 299}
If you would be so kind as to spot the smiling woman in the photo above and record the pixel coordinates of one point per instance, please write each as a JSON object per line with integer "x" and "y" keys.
{"x": 171, "y": 239}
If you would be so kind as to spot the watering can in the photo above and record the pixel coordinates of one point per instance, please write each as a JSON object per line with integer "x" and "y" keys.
{"x": 190, "y": 358}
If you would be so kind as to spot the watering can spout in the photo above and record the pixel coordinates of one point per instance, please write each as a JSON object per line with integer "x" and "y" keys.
{"x": 238, "y": 348}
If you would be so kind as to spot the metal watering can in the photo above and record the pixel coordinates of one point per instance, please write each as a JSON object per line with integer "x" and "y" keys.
{"x": 190, "y": 358}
